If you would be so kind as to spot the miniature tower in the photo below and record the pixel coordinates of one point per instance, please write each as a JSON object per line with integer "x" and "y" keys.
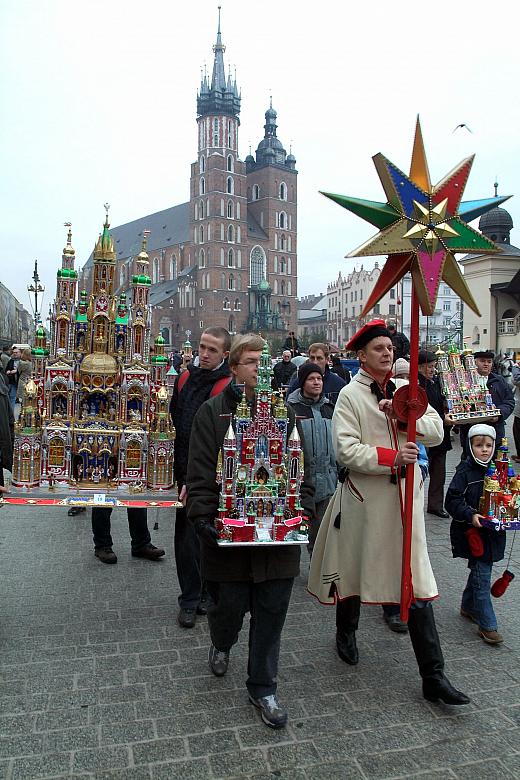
{"x": 63, "y": 308}
{"x": 139, "y": 347}
{"x": 161, "y": 438}
{"x": 39, "y": 352}
{"x": 158, "y": 362}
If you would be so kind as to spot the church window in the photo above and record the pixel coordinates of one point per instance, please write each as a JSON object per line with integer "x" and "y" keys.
{"x": 222, "y": 281}
{"x": 133, "y": 455}
{"x": 230, "y": 233}
{"x": 231, "y": 324}
{"x": 155, "y": 270}
{"x": 222, "y": 231}
{"x": 289, "y": 243}
{"x": 196, "y": 213}
{"x": 202, "y": 259}
{"x": 238, "y": 210}
{"x": 231, "y": 282}
{"x": 282, "y": 288}
{"x": 122, "y": 276}
{"x": 238, "y": 234}
{"x": 201, "y": 235}
{"x": 287, "y": 308}
{"x": 289, "y": 288}
{"x": 276, "y": 240}
{"x": 230, "y": 161}
{"x": 202, "y": 164}
{"x": 221, "y": 256}
{"x": 282, "y": 265}
{"x": 239, "y": 283}
{"x": 257, "y": 265}
{"x": 237, "y": 304}
{"x": 201, "y": 209}
{"x": 276, "y": 286}
{"x": 239, "y": 259}
{"x": 230, "y": 209}
{"x": 230, "y": 259}
{"x": 283, "y": 219}
{"x": 283, "y": 191}
{"x": 275, "y": 265}
{"x": 282, "y": 243}
{"x": 226, "y": 305}
{"x": 215, "y": 132}
{"x": 229, "y": 185}
{"x": 173, "y": 267}
{"x": 256, "y": 192}
{"x": 222, "y": 212}
{"x": 202, "y": 186}
{"x": 289, "y": 266}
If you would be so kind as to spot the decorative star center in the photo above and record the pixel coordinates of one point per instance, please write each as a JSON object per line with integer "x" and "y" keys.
{"x": 430, "y": 224}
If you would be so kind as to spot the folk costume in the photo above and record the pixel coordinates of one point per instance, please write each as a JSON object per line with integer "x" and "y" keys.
{"x": 358, "y": 553}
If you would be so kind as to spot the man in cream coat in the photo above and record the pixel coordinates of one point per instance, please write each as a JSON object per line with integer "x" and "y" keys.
{"x": 357, "y": 555}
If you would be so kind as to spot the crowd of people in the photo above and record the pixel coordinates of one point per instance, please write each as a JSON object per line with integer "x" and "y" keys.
{"x": 356, "y": 453}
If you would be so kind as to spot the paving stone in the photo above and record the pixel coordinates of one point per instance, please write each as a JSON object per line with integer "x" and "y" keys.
{"x": 217, "y": 742}
{"x": 101, "y": 758}
{"x": 158, "y": 750}
{"x": 343, "y": 771}
{"x": 138, "y": 773}
{"x": 121, "y": 693}
{"x": 197, "y": 769}
{"x": 16, "y": 724}
{"x": 20, "y": 745}
{"x": 41, "y": 766}
{"x": 109, "y": 713}
{"x": 52, "y": 720}
{"x": 72, "y": 739}
{"x": 386, "y": 765}
{"x": 121, "y": 733}
{"x": 233, "y": 765}
{"x": 295, "y": 755}
{"x": 484, "y": 770}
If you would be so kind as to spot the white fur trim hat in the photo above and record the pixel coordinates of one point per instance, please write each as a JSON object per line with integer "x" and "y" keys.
{"x": 481, "y": 429}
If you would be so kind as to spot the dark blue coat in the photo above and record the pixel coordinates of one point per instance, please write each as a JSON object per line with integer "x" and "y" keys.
{"x": 332, "y": 384}
{"x": 462, "y": 501}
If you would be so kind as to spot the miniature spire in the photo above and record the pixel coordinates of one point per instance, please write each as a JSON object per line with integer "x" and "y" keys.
{"x": 69, "y": 249}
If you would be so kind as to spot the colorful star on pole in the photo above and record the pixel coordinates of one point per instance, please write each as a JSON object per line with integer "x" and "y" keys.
{"x": 421, "y": 227}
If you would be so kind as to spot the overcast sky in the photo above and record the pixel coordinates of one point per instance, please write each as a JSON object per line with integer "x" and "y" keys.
{"x": 98, "y": 104}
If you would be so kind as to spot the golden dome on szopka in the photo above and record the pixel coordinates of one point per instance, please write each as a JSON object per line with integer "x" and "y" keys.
{"x": 69, "y": 249}
{"x": 142, "y": 257}
{"x": 466, "y": 351}
{"x": 439, "y": 352}
{"x": 30, "y": 389}
{"x": 104, "y": 249}
{"x": 99, "y": 363}
{"x": 162, "y": 393}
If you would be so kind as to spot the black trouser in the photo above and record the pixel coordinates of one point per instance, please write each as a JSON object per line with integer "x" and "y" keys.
{"x": 437, "y": 469}
{"x": 267, "y": 602}
{"x": 137, "y": 525}
{"x": 187, "y": 560}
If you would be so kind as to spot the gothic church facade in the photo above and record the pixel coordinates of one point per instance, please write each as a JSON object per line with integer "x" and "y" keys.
{"x": 228, "y": 256}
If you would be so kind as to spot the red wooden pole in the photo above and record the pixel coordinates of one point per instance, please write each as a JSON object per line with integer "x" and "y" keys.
{"x": 406, "y": 571}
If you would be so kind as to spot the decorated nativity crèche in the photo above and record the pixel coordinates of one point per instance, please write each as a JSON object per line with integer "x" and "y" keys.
{"x": 95, "y": 413}
{"x": 260, "y": 469}
{"x": 467, "y": 394}
{"x": 500, "y": 502}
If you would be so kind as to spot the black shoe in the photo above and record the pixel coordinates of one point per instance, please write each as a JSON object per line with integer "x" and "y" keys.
{"x": 76, "y": 510}
{"x": 218, "y": 661}
{"x": 395, "y": 623}
{"x": 347, "y": 647}
{"x": 149, "y": 551}
{"x": 202, "y": 609}
{"x": 438, "y": 512}
{"x": 186, "y": 617}
{"x": 271, "y": 711}
{"x": 105, "y": 554}
{"x": 443, "y": 690}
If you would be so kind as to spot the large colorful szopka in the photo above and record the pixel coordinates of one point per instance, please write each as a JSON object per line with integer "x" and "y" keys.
{"x": 260, "y": 469}
{"x": 95, "y": 413}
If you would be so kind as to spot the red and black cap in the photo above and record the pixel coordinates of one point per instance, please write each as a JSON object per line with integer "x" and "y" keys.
{"x": 370, "y": 331}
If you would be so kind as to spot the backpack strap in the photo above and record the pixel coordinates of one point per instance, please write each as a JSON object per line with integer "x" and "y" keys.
{"x": 219, "y": 386}
{"x": 183, "y": 378}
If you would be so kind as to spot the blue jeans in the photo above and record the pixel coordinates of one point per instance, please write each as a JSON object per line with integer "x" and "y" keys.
{"x": 12, "y": 394}
{"x": 476, "y": 598}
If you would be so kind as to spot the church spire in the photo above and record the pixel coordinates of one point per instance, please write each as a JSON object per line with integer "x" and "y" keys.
{"x": 222, "y": 95}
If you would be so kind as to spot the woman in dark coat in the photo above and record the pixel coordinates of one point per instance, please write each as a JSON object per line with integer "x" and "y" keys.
{"x": 6, "y": 430}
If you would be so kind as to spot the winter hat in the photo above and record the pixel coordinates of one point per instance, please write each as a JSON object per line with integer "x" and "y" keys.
{"x": 481, "y": 429}
{"x": 401, "y": 366}
{"x": 306, "y": 369}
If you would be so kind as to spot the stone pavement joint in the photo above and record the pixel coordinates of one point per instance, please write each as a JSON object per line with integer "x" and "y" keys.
{"x": 98, "y": 680}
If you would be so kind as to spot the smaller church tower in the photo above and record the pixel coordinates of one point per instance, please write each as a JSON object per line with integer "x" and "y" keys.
{"x": 139, "y": 320}
{"x": 63, "y": 308}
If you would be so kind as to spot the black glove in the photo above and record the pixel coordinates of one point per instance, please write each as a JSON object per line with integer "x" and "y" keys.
{"x": 206, "y": 531}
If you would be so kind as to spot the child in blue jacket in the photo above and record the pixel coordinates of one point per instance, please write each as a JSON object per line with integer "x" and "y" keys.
{"x": 469, "y": 539}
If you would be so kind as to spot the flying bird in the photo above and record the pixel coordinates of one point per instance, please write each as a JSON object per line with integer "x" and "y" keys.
{"x": 463, "y": 125}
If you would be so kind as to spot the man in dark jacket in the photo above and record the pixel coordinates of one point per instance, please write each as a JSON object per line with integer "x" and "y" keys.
{"x": 436, "y": 455}
{"x": 11, "y": 372}
{"x": 190, "y": 391}
{"x": 291, "y": 343}
{"x": 283, "y": 371}
{"x": 502, "y": 396}
{"x": 254, "y": 579}
{"x": 332, "y": 383}
{"x": 314, "y": 413}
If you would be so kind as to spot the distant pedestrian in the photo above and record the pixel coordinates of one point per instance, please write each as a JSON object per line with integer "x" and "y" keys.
{"x": 6, "y": 431}
{"x": 5, "y": 356}
{"x": 25, "y": 368}
{"x": 291, "y": 343}
{"x": 338, "y": 368}
{"x": 515, "y": 375}
{"x": 11, "y": 371}
{"x": 400, "y": 342}
{"x": 283, "y": 371}
{"x": 332, "y": 383}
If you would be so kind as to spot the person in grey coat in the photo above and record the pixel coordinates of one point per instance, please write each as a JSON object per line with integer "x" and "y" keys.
{"x": 314, "y": 412}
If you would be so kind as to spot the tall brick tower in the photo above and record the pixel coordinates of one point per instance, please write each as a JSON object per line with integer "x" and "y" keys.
{"x": 218, "y": 206}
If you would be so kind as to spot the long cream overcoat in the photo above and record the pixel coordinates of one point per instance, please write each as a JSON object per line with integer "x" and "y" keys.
{"x": 363, "y": 556}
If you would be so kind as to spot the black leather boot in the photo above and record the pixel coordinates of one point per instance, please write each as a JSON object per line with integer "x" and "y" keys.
{"x": 427, "y": 649}
{"x": 347, "y": 620}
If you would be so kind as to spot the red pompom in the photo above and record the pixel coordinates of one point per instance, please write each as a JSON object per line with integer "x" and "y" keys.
{"x": 475, "y": 543}
{"x": 501, "y": 585}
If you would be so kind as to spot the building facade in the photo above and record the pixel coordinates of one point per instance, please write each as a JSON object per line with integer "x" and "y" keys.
{"x": 495, "y": 284}
{"x": 228, "y": 256}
